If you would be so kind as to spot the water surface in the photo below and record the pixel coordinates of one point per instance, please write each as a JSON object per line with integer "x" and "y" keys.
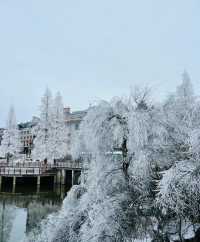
{"x": 22, "y": 211}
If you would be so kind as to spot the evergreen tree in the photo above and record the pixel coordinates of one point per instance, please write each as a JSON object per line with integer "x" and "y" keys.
{"x": 42, "y": 146}
{"x": 185, "y": 90}
{"x": 58, "y": 132}
{"x": 10, "y": 145}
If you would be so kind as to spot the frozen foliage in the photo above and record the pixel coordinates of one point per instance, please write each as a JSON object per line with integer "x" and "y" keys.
{"x": 10, "y": 145}
{"x": 107, "y": 195}
{"x": 41, "y": 142}
{"x": 180, "y": 190}
{"x": 185, "y": 91}
{"x": 50, "y": 142}
{"x": 58, "y": 132}
{"x": 142, "y": 172}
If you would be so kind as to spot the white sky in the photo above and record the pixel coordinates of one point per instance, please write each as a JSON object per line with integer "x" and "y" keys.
{"x": 91, "y": 49}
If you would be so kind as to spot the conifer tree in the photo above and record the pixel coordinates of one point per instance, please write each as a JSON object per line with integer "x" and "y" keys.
{"x": 42, "y": 147}
{"x": 10, "y": 145}
{"x": 58, "y": 132}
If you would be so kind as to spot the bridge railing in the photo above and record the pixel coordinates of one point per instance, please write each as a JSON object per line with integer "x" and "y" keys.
{"x": 43, "y": 167}
{"x": 20, "y": 171}
{"x": 68, "y": 164}
{"x": 21, "y": 164}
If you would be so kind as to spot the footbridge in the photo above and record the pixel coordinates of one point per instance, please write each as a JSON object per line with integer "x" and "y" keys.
{"x": 67, "y": 172}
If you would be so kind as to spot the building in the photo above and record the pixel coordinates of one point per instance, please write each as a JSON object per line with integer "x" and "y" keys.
{"x": 27, "y": 136}
{"x": 26, "y": 130}
{"x": 72, "y": 121}
{"x": 1, "y": 134}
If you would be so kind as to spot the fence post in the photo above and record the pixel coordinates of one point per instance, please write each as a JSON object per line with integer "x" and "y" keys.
{"x": 72, "y": 177}
{"x": 63, "y": 177}
{"x": 58, "y": 175}
{"x": 38, "y": 184}
{"x": 14, "y": 184}
{"x": 0, "y": 182}
{"x": 38, "y": 180}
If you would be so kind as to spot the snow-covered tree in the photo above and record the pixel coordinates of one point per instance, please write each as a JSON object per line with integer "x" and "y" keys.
{"x": 58, "y": 131}
{"x": 51, "y": 132}
{"x": 42, "y": 147}
{"x": 104, "y": 130}
{"x": 185, "y": 90}
{"x": 142, "y": 163}
{"x": 108, "y": 204}
{"x": 10, "y": 145}
{"x": 179, "y": 189}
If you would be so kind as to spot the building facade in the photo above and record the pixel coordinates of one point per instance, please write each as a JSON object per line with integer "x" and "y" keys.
{"x": 26, "y": 131}
{"x": 27, "y": 136}
{"x": 72, "y": 121}
{"x": 1, "y": 134}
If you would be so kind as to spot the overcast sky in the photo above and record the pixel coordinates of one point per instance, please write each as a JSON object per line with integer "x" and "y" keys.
{"x": 94, "y": 49}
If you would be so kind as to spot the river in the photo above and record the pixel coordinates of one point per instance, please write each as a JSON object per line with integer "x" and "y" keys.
{"x": 22, "y": 211}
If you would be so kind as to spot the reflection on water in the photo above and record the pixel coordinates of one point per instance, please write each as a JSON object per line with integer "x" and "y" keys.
{"x": 22, "y": 212}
